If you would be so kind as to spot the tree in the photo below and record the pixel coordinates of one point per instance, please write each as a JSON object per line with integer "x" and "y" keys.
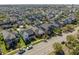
{"x": 58, "y": 48}
{"x": 0, "y": 51}
{"x": 78, "y": 34}
{"x": 75, "y": 51}
{"x": 64, "y": 29}
{"x": 70, "y": 27}
{"x": 70, "y": 38}
{"x": 57, "y": 31}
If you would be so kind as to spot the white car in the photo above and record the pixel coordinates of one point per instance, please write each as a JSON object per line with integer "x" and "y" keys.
{"x": 29, "y": 47}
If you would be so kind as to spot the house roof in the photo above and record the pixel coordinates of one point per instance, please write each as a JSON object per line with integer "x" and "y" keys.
{"x": 40, "y": 31}
{"x": 45, "y": 26}
{"x": 55, "y": 24}
{"x": 8, "y": 35}
{"x": 28, "y": 31}
{"x": 6, "y": 26}
{"x": 25, "y": 35}
{"x": 37, "y": 30}
{"x": 69, "y": 20}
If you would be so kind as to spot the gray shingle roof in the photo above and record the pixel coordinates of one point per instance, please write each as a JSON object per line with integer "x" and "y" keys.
{"x": 46, "y": 26}
{"x": 28, "y": 31}
{"x": 8, "y": 35}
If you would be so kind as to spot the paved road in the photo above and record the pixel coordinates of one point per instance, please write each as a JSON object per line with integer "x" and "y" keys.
{"x": 44, "y": 48}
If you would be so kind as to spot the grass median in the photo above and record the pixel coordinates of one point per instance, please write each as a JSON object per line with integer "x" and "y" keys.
{"x": 37, "y": 41}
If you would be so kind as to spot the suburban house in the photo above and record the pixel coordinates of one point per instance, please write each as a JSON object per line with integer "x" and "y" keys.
{"x": 6, "y": 26}
{"x": 31, "y": 18}
{"x": 27, "y": 21}
{"x": 55, "y": 25}
{"x": 10, "y": 39}
{"x": 47, "y": 28}
{"x": 20, "y": 22}
{"x": 28, "y": 35}
{"x": 69, "y": 20}
{"x": 38, "y": 31}
{"x": 58, "y": 23}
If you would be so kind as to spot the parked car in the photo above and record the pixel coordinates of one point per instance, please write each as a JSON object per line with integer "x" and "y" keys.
{"x": 45, "y": 41}
{"x": 29, "y": 47}
{"x": 21, "y": 51}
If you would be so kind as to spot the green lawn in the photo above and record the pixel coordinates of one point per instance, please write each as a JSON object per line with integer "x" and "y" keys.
{"x": 21, "y": 42}
{"x": 2, "y": 46}
{"x": 37, "y": 41}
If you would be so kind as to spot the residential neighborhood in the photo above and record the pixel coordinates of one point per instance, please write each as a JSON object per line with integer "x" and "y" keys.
{"x": 39, "y": 29}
